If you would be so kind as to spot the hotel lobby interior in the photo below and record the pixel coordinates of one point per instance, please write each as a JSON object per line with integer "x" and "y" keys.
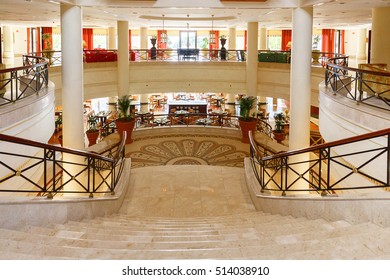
{"x": 186, "y": 182}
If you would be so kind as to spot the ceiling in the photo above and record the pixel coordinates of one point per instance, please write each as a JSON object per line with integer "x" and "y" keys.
{"x": 198, "y": 14}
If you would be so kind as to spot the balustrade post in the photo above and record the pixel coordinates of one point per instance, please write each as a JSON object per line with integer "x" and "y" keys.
{"x": 359, "y": 79}
{"x": 388, "y": 159}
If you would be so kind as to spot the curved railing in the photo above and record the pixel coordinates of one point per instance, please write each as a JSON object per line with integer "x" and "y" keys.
{"x": 90, "y": 56}
{"x": 358, "y": 163}
{"x": 363, "y": 86}
{"x": 20, "y": 82}
{"x": 48, "y": 169}
{"x": 152, "y": 120}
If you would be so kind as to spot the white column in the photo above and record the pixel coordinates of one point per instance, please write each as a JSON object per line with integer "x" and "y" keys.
{"x": 143, "y": 38}
{"x": 263, "y": 39}
{"x": 361, "y": 47}
{"x": 300, "y": 92}
{"x": 251, "y": 61}
{"x": 112, "y": 38}
{"x": 380, "y": 36}
{"x": 72, "y": 76}
{"x": 232, "y": 38}
{"x": 8, "y": 42}
{"x": 123, "y": 58}
{"x": 300, "y": 78}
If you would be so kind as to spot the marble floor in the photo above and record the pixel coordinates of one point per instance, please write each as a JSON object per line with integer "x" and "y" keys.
{"x": 187, "y": 191}
{"x": 187, "y": 149}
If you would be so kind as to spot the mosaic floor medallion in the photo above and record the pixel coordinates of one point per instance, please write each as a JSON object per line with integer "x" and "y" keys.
{"x": 188, "y": 151}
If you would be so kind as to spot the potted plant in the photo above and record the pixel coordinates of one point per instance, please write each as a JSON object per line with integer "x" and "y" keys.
{"x": 92, "y": 131}
{"x": 205, "y": 46}
{"x": 126, "y": 121}
{"x": 278, "y": 132}
{"x": 47, "y": 49}
{"x": 247, "y": 123}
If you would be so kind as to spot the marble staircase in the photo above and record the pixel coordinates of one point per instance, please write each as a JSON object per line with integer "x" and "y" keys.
{"x": 253, "y": 235}
{"x": 181, "y": 213}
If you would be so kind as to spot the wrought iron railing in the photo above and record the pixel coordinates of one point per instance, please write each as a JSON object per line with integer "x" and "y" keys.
{"x": 20, "y": 82}
{"x": 363, "y": 86}
{"x": 46, "y": 170}
{"x": 357, "y": 163}
{"x": 151, "y": 120}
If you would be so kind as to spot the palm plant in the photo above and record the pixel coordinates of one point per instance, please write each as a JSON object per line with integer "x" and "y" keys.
{"x": 247, "y": 103}
{"x": 124, "y": 104}
{"x": 279, "y": 120}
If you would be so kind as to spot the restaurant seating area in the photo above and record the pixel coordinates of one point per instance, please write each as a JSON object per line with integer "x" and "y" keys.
{"x": 174, "y": 109}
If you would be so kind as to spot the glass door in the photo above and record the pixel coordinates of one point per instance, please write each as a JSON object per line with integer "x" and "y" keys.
{"x": 188, "y": 40}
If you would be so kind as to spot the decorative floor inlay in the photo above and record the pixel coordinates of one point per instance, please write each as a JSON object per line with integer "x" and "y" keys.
{"x": 187, "y": 151}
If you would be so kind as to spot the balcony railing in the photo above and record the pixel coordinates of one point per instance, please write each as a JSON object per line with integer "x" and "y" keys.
{"x": 46, "y": 170}
{"x": 90, "y": 56}
{"x": 363, "y": 86}
{"x": 20, "y": 82}
{"x": 353, "y": 164}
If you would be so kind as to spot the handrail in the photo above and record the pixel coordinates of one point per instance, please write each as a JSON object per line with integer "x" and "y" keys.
{"x": 27, "y": 142}
{"x": 43, "y": 62}
{"x": 335, "y": 143}
{"x": 47, "y": 169}
{"x": 338, "y": 166}
{"x": 17, "y": 83}
{"x": 364, "y": 86}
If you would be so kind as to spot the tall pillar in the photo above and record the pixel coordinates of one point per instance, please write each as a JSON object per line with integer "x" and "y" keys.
{"x": 263, "y": 39}
{"x": 111, "y": 38}
{"x": 380, "y": 36}
{"x": 143, "y": 37}
{"x": 300, "y": 93}
{"x": 300, "y": 78}
{"x": 251, "y": 61}
{"x": 72, "y": 76}
{"x": 361, "y": 47}
{"x": 123, "y": 58}
{"x": 8, "y": 42}
{"x": 232, "y": 38}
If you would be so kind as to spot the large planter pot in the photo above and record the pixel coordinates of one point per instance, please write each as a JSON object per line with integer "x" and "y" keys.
{"x": 279, "y": 136}
{"x": 246, "y": 126}
{"x": 92, "y": 137}
{"x": 128, "y": 126}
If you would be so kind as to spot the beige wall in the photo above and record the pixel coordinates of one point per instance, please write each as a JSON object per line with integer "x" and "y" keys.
{"x": 100, "y": 79}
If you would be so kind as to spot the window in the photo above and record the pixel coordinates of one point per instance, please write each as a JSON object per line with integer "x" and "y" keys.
{"x": 274, "y": 43}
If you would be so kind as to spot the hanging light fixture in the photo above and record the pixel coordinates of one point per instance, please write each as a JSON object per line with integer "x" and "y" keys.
{"x": 212, "y": 34}
{"x": 163, "y": 38}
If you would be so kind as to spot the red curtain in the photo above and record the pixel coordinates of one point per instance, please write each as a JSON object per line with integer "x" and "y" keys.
{"x": 47, "y": 30}
{"x": 328, "y": 40}
{"x": 286, "y": 38}
{"x": 245, "y": 39}
{"x": 161, "y": 45}
{"x": 215, "y": 46}
{"x": 88, "y": 38}
{"x": 28, "y": 40}
{"x": 342, "y": 42}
